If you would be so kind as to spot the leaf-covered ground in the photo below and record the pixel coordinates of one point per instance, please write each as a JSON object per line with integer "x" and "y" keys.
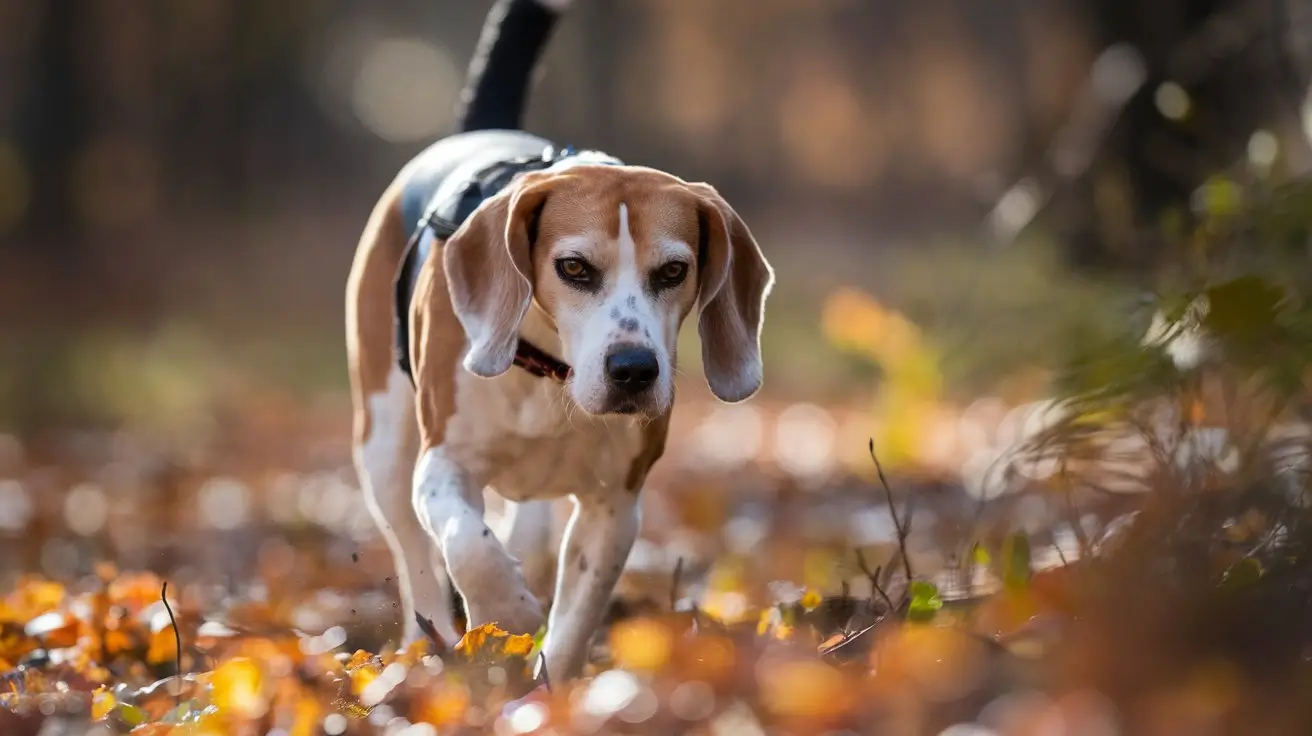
{"x": 754, "y": 609}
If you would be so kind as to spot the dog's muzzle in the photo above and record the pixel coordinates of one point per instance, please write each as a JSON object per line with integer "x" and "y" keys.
{"x": 631, "y": 370}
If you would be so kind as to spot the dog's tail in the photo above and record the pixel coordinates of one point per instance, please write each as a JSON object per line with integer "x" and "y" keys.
{"x": 501, "y": 72}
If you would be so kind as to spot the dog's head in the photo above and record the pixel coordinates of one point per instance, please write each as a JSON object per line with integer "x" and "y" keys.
{"x": 616, "y": 256}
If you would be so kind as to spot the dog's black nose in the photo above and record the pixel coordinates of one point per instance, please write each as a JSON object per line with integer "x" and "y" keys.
{"x": 632, "y": 369}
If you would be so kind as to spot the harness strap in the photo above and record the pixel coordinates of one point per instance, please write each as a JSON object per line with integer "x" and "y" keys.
{"x": 528, "y": 356}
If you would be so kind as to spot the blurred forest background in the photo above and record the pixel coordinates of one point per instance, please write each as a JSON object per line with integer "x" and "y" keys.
{"x": 182, "y": 184}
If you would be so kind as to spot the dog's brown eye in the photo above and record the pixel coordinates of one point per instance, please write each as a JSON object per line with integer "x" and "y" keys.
{"x": 574, "y": 269}
{"x": 672, "y": 273}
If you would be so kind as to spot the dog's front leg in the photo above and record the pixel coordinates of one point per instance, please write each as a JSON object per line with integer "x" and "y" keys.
{"x": 592, "y": 555}
{"x": 449, "y": 502}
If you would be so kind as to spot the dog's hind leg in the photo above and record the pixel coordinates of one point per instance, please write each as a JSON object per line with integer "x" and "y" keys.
{"x": 386, "y": 463}
{"x": 386, "y": 432}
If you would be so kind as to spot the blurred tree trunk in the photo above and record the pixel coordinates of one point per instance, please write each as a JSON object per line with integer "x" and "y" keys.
{"x": 54, "y": 127}
{"x": 604, "y": 29}
{"x": 1150, "y": 164}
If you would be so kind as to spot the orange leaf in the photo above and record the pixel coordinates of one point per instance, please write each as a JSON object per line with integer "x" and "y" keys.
{"x": 117, "y": 641}
{"x": 518, "y": 645}
{"x": 163, "y": 646}
{"x": 34, "y": 596}
{"x": 641, "y": 644}
{"x": 444, "y": 707}
{"x": 478, "y": 638}
{"x": 135, "y": 591}
{"x": 805, "y": 688}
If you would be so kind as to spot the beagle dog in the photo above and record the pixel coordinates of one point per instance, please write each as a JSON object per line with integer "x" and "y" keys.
{"x": 511, "y": 318}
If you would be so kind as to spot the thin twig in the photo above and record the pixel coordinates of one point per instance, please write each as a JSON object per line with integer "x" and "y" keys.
{"x": 853, "y": 637}
{"x": 1077, "y": 525}
{"x": 542, "y": 668}
{"x": 674, "y": 584}
{"x": 177, "y": 639}
{"x": 902, "y": 531}
{"x": 426, "y": 626}
{"x": 874, "y": 580}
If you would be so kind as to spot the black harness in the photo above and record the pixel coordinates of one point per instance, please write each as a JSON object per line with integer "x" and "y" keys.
{"x": 443, "y": 216}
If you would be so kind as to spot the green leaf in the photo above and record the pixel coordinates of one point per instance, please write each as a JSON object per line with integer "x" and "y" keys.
{"x": 1245, "y": 305}
{"x": 1242, "y": 574}
{"x": 1221, "y": 198}
{"x": 538, "y": 638}
{"x": 1016, "y": 561}
{"x": 925, "y": 601}
{"x": 131, "y": 714}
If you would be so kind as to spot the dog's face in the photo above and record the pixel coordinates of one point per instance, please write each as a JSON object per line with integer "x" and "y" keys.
{"x": 616, "y": 256}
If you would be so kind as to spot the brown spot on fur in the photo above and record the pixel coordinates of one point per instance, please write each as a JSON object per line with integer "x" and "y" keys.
{"x": 653, "y": 446}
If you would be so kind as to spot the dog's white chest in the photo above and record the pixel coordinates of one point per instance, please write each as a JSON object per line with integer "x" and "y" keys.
{"x": 523, "y": 435}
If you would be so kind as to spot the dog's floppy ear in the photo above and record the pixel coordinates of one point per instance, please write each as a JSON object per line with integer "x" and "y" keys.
{"x": 489, "y": 272}
{"x": 734, "y": 282}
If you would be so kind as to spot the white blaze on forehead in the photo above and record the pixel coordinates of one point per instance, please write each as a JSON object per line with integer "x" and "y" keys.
{"x": 628, "y": 250}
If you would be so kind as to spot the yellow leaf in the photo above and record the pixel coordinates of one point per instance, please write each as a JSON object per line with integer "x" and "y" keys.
{"x": 518, "y": 646}
{"x": 34, "y": 596}
{"x": 362, "y": 676}
{"x": 475, "y": 639}
{"x": 810, "y": 600}
{"x": 358, "y": 659}
{"x": 307, "y": 717}
{"x": 239, "y": 688}
{"x": 102, "y": 703}
{"x": 414, "y": 653}
{"x": 641, "y": 644}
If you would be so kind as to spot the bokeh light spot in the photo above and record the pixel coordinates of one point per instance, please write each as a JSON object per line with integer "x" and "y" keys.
{"x": 224, "y": 503}
{"x": 404, "y": 88}
{"x": 86, "y": 509}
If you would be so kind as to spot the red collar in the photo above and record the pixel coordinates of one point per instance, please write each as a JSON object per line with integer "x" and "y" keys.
{"x": 540, "y": 363}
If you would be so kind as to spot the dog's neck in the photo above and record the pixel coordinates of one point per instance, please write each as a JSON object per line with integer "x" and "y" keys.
{"x": 539, "y": 329}
{"x": 531, "y": 356}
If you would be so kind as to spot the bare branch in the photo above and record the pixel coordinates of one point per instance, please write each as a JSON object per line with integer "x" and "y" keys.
{"x": 903, "y": 530}
{"x": 177, "y": 639}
